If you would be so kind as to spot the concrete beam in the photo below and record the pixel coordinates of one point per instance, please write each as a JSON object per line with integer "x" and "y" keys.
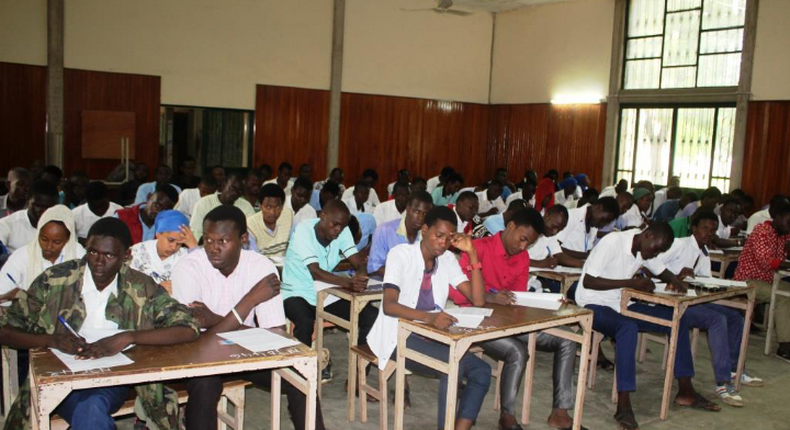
{"x": 335, "y": 87}
{"x": 54, "y": 146}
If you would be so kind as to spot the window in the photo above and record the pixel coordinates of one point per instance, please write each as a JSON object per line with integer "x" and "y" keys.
{"x": 683, "y": 43}
{"x": 694, "y": 143}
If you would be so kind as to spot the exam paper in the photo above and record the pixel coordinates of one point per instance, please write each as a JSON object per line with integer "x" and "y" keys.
{"x": 661, "y": 287}
{"x": 471, "y": 310}
{"x": 558, "y": 269}
{"x": 549, "y": 301}
{"x": 96, "y": 363}
{"x": 321, "y": 286}
{"x": 465, "y": 320}
{"x": 717, "y": 282}
{"x": 258, "y": 339}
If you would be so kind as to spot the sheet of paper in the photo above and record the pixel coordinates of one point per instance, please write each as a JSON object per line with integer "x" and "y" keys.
{"x": 465, "y": 320}
{"x": 321, "y": 286}
{"x": 717, "y": 282}
{"x": 549, "y": 301}
{"x": 471, "y": 311}
{"x": 92, "y": 335}
{"x": 558, "y": 269}
{"x": 258, "y": 339}
{"x": 734, "y": 248}
{"x": 375, "y": 285}
{"x": 716, "y": 251}
{"x": 661, "y": 287}
{"x": 97, "y": 363}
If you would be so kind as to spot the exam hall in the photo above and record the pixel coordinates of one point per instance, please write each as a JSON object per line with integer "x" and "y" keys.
{"x": 378, "y": 214}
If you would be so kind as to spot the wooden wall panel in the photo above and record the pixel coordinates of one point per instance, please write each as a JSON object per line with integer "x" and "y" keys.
{"x": 91, "y": 90}
{"x": 766, "y": 163}
{"x": 23, "y": 114}
{"x": 291, "y": 124}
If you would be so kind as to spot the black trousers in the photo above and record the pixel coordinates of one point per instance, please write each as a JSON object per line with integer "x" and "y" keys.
{"x": 302, "y": 315}
{"x": 204, "y": 394}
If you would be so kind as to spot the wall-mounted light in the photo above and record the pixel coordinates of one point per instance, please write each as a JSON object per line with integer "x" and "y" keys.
{"x": 577, "y": 99}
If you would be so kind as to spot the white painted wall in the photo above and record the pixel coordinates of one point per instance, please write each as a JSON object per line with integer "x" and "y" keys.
{"x": 771, "y": 74}
{"x": 23, "y": 31}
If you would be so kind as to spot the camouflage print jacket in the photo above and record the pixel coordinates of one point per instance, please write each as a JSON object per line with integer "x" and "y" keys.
{"x": 141, "y": 304}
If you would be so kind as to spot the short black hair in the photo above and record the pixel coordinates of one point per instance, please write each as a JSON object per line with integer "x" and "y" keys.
{"x": 746, "y": 200}
{"x": 446, "y": 171}
{"x": 400, "y": 184}
{"x": 187, "y": 159}
{"x": 711, "y": 193}
{"x": 560, "y": 209}
{"x": 95, "y": 191}
{"x": 254, "y": 172}
{"x": 240, "y": 175}
{"x": 42, "y": 187}
{"x": 265, "y": 167}
{"x": 466, "y": 195}
{"x": 336, "y": 205}
{"x": 209, "y": 180}
{"x": 609, "y": 205}
{"x": 370, "y": 173}
{"x": 421, "y": 197}
{"x": 331, "y": 187}
{"x": 455, "y": 177}
{"x": 441, "y": 213}
{"x": 54, "y": 171}
{"x": 303, "y": 165}
{"x": 112, "y": 227}
{"x": 168, "y": 190}
{"x": 737, "y": 192}
{"x": 691, "y": 196}
{"x": 780, "y": 209}
{"x": 500, "y": 170}
{"x": 419, "y": 180}
{"x": 336, "y": 169}
{"x": 285, "y": 165}
{"x": 661, "y": 230}
{"x": 704, "y": 214}
{"x": 731, "y": 201}
{"x": 528, "y": 217}
{"x": 301, "y": 182}
{"x": 227, "y": 213}
{"x": 496, "y": 182}
{"x": 517, "y": 204}
{"x": 674, "y": 193}
{"x": 361, "y": 184}
{"x": 271, "y": 190}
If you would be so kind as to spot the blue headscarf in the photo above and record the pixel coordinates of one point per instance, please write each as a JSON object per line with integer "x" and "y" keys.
{"x": 581, "y": 180}
{"x": 170, "y": 221}
{"x": 568, "y": 182}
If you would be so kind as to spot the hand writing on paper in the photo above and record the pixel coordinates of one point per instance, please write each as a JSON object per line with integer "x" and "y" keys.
{"x": 643, "y": 284}
{"x": 108, "y": 346}
{"x": 501, "y": 298}
{"x": 67, "y": 343}
{"x": 440, "y": 320}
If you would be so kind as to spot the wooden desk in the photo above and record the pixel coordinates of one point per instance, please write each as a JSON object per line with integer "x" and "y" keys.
{"x": 564, "y": 278}
{"x": 358, "y": 302}
{"x": 724, "y": 261}
{"x": 504, "y": 322}
{"x": 679, "y": 303}
{"x": 51, "y": 381}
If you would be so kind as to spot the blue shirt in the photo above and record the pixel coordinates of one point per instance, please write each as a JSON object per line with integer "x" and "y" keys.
{"x": 367, "y": 225}
{"x": 440, "y": 200}
{"x": 305, "y": 249}
{"x": 387, "y": 236}
{"x": 667, "y": 211}
{"x": 494, "y": 223}
{"x": 315, "y": 200}
{"x": 149, "y": 233}
{"x": 688, "y": 210}
{"x": 148, "y": 188}
{"x": 506, "y": 192}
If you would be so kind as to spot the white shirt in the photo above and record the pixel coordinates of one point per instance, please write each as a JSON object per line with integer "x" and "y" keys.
{"x": 96, "y": 303}
{"x": 757, "y": 218}
{"x": 367, "y": 208}
{"x": 145, "y": 258}
{"x": 660, "y": 197}
{"x": 16, "y": 230}
{"x": 187, "y": 201}
{"x": 631, "y": 218}
{"x": 405, "y": 269}
{"x": 373, "y": 198}
{"x": 486, "y": 205}
{"x": 85, "y": 218}
{"x": 610, "y": 259}
{"x": 286, "y": 190}
{"x": 461, "y": 223}
{"x": 560, "y": 199}
{"x": 431, "y": 184}
{"x": 196, "y": 280}
{"x": 575, "y": 236}
{"x": 608, "y": 192}
{"x": 306, "y": 212}
{"x": 387, "y": 211}
{"x": 685, "y": 252}
{"x": 16, "y": 268}
{"x": 542, "y": 249}
{"x": 723, "y": 231}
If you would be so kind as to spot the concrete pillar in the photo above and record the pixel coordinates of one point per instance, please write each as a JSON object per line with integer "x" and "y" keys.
{"x": 54, "y": 146}
{"x": 335, "y": 86}
{"x": 744, "y": 94}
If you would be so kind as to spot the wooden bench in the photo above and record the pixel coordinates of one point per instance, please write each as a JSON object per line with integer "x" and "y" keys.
{"x": 232, "y": 391}
{"x": 364, "y": 357}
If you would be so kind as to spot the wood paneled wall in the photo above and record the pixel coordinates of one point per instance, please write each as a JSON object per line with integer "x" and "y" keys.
{"x": 91, "y": 90}
{"x": 23, "y": 114}
{"x": 766, "y": 163}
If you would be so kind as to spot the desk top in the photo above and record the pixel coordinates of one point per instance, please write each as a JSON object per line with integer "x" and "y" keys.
{"x": 507, "y": 317}
{"x": 345, "y": 293}
{"x": 704, "y": 295}
{"x": 206, "y": 351}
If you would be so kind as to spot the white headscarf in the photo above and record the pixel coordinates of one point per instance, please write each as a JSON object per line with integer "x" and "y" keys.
{"x": 69, "y": 252}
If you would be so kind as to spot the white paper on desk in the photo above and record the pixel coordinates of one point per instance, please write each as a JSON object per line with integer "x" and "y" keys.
{"x": 661, "y": 287}
{"x": 471, "y": 310}
{"x": 321, "y": 286}
{"x": 558, "y": 269}
{"x": 465, "y": 320}
{"x": 734, "y": 248}
{"x": 550, "y": 301}
{"x": 717, "y": 282}
{"x": 96, "y": 363}
{"x": 258, "y": 339}
{"x": 93, "y": 335}
{"x": 716, "y": 251}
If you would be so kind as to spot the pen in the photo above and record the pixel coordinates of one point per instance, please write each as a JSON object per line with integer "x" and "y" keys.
{"x": 16, "y": 284}
{"x": 65, "y": 324}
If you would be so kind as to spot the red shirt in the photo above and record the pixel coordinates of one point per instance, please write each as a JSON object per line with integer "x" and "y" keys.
{"x": 500, "y": 271}
{"x": 763, "y": 252}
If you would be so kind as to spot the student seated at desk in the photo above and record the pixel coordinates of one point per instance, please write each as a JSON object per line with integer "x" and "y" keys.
{"x": 688, "y": 257}
{"x": 416, "y": 285}
{"x": 636, "y": 215}
{"x": 230, "y": 195}
{"x": 317, "y": 246}
{"x": 491, "y": 201}
{"x": 190, "y": 196}
{"x": 505, "y": 268}
{"x": 448, "y": 193}
{"x": 546, "y": 251}
{"x": 271, "y": 227}
{"x": 729, "y": 212}
{"x": 297, "y": 201}
{"x": 157, "y": 258}
{"x": 396, "y": 207}
{"x": 567, "y": 192}
{"x": 673, "y": 199}
{"x": 579, "y": 236}
{"x": 283, "y": 179}
{"x": 164, "y": 175}
{"x": 97, "y": 206}
{"x": 612, "y": 266}
{"x": 19, "y": 228}
{"x": 358, "y": 201}
{"x": 228, "y": 288}
{"x": 544, "y": 195}
{"x": 97, "y": 292}
{"x": 396, "y": 232}
{"x": 496, "y": 223}
{"x": 369, "y": 176}
{"x": 140, "y": 218}
{"x": 708, "y": 199}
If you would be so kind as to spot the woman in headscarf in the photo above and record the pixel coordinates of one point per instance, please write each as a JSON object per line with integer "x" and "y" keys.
{"x": 544, "y": 195}
{"x": 156, "y": 258}
{"x": 55, "y": 243}
{"x": 637, "y": 215}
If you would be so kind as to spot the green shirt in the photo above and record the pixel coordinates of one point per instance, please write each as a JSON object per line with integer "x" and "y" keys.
{"x": 141, "y": 304}
{"x": 441, "y": 200}
{"x": 681, "y": 227}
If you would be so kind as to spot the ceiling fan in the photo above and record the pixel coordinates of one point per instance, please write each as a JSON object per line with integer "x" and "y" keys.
{"x": 442, "y": 6}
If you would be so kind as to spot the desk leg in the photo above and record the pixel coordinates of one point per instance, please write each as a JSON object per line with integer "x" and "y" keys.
{"x": 276, "y": 386}
{"x": 400, "y": 377}
{"x": 528, "y": 378}
{"x": 747, "y": 325}
{"x": 356, "y": 308}
{"x": 452, "y": 385}
{"x": 670, "y": 375}
{"x": 43, "y": 403}
{"x": 308, "y": 368}
{"x": 578, "y": 408}
{"x": 319, "y": 333}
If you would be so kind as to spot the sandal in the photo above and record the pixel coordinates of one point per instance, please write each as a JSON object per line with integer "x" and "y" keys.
{"x": 626, "y": 420}
{"x": 700, "y": 403}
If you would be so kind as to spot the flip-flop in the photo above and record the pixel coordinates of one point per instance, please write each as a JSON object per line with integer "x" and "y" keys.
{"x": 626, "y": 420}
{"x": 701, "y": 403}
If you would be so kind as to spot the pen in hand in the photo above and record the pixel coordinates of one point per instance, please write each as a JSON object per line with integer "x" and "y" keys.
{"x": 66, "y": 324}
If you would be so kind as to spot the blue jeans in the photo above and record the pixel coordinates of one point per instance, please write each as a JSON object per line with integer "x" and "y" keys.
{"x": 725, "y": 329}
{"x": 625, "y": 332}
{"x": 92, "y": 409}
{"x": 476, "y": 371}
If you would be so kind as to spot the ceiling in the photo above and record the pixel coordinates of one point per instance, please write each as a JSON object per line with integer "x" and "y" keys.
{"x": 498, "y": 5}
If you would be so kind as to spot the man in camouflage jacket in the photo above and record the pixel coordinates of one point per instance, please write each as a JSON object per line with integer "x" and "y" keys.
{"x": 140, "y": 306}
